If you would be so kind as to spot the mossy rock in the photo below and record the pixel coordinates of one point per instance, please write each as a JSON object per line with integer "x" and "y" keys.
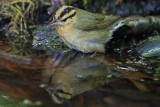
{"x": 150, "y": 47}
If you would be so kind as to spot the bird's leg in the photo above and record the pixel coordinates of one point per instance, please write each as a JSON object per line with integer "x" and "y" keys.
{"x": 94, "y": 54}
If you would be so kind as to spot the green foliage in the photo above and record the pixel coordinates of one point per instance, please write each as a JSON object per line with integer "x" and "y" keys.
{"x": 19, "y": 11}
{"x": 84, "y": 2}
{"x": 95, "y": 6}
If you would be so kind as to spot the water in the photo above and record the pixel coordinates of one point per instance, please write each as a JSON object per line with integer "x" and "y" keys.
{"x": 76, "y": 79}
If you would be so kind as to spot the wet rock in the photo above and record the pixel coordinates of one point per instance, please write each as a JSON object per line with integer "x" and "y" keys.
{"x": 150, "y": 47}
{"x": 45, "y": 38}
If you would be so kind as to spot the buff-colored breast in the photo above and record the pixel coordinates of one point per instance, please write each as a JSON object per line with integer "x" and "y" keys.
{"x": 79, "y": 40}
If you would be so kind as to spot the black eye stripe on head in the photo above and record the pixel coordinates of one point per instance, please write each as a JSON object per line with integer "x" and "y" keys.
{"x": 69, "y": 17}
{"x": 66, "y": 10}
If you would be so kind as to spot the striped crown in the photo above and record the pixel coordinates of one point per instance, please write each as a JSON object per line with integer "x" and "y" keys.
{"x": 64, "y": 13}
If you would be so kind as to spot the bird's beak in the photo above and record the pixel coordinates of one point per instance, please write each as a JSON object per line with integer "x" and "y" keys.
{"x": 53, "y": 22}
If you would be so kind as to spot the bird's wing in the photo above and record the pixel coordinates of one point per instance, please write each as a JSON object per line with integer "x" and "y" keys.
{"x": 88, "y": 21}
{"x": 108, "y": 21}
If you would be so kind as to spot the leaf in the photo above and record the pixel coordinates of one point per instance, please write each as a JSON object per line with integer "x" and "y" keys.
{"x": 84, "y": 2}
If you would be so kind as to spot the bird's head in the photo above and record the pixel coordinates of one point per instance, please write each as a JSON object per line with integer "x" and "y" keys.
{"x": 64, "y": 16}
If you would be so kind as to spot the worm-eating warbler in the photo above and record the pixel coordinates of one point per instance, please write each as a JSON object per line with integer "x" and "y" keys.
{"x": 85, "y": 31}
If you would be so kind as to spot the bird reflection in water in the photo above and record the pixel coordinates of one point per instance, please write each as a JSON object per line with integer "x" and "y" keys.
{"x": 75, "y": 74}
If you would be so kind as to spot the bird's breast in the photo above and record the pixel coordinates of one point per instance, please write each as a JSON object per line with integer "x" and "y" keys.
{"x": 68, "y": 35}
{"x": 78, "y": 39}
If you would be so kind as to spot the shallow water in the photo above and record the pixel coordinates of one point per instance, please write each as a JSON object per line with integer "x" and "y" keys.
{"x": 76, "y": 79}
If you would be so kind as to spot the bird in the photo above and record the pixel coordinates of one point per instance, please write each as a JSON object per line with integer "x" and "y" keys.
{"x": 85, "y": 31}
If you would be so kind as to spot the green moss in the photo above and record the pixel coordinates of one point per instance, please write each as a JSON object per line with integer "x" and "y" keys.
{"x": 152, "y": 52}
{"x": 7, "y": 101}
{"x": 157, "y": 70}
{"x": 150, "y": 47}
